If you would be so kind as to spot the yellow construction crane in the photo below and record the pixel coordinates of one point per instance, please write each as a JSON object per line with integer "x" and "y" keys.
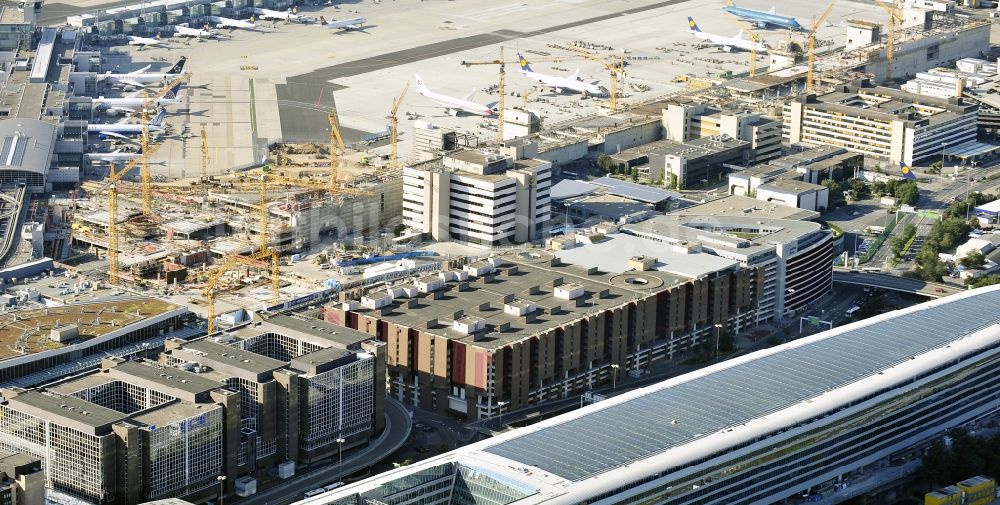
{"x": 612, "y": 64}
{"x": 264, "y": 259}
{"x": 337, "y": 147}
{"x": 145, "y": 175}
{"x": 111, "y": 186}
{"x": 204, "y": 153}
{"x": 501, "y": 87}
{"x": 890, "y": 44}
{"x": 812, "y": 47}
{"x": 394, "y": 127}
{"x": 755, "y": 38}
{"x": 527, "y": 96}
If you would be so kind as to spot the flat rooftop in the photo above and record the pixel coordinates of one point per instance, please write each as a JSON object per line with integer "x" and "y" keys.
{"x": 299, "y": 326}
{"x": 635, "y": 191}
{"x": 739, "y": 234}
{"x": 173, "y": 412}
{"x": 521, "y": 272}
{"x": 737, "y": 205}
{"x": 215, "y": 353}
{"x": 791, "y": 186}
{"x": 27, "y": 331}
{"x": 612, "y": 255}
{"x": 69, "y": 410}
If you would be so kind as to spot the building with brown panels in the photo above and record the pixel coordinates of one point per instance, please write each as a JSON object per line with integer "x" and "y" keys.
{"x": 524, "y": 327}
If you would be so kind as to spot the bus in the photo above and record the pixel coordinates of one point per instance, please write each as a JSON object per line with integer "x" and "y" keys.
{"x": 313, "y": 492}
{"x": 850, "y": 312}
{"x": 333, "y": 486}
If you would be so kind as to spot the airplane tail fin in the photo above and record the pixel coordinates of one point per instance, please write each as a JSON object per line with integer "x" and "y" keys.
{"x": 470, "y": 96}
{"x": 524, "y": 63}
{"x": 773, "y": 10}
{"x": 575, "y": 76}
{"x": 179, "y": 66}
{"x": 692, "y": 26}
{"x": 158, "y": 119}
{"x": 322, "y": 21}
{"x": 174, "y": 92}
{"x": 421, "y": 86}
{"x": 739, "y": 34}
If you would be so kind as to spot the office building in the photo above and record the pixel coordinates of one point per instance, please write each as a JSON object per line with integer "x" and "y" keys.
{"x": 684, "y": 122}
{"x": 881, "y": 122}
{"x": 250, "y": 405}
{"x": 698, "y": 161}
{"x": 22, "y": 481}
{"x": 755, "y": 429}
{"x": 478, "y": 198}
{"x": 524, "y": 327}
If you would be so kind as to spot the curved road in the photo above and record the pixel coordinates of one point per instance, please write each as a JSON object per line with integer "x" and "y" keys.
{"x": 396, "y": 433}
{"x": 894, "y": 283}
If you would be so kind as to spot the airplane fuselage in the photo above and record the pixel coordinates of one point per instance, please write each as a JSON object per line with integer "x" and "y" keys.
{"x": 729, "y": 43}
{"x": 343, "y": 24}
{"x": 230, "y": 23}
{"x": 457, "y": 104}
{"x": 131, "y": 102}
{"x": 764, "y": 18}
{"x": 276, "y": 15}
{"x": 563, "y": 83}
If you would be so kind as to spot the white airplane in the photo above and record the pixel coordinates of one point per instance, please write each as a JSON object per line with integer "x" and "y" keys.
{"x": 345, "y": 24}
{"x": 455, "y": 105}
{"x": 277, "y": 15}
{"x": 144, "y": 41}
{"x": 125, "y": 130}
{"x": 727, "y": 43}
{"x": 131, "y": 104}
{"x": 183, "y": 30}
{"x": 222, "y": 22}
{"x": 117, "y": 155}
{"x": 140, "y": 78}
{"x": 571, "y": 83}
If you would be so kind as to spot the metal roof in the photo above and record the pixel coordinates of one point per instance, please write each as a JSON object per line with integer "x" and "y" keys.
{"x": 704, "y": 405}
{"x": 635, "y": 191}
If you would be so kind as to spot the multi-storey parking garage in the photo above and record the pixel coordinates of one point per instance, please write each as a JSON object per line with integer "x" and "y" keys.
{"x": 753, "y": 430}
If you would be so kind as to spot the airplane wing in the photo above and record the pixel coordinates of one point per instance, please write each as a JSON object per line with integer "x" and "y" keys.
{"x": 122, "y": 109}
{"x": 116, "y": 135}
{"x": 353, "y": 27}
{"x": 131, "y": 82}
{"x": 141, "y": 70}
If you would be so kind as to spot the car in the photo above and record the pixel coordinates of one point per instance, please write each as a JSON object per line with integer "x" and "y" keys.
{"x": 938, "y": 290}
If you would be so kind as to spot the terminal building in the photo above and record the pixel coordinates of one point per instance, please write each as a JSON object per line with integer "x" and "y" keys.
{"x": 756, "y": 429}
{"x": 880, "y": 122}
{"x": 249, "y": 405}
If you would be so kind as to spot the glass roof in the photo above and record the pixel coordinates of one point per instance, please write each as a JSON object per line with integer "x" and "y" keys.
{"x": 641, "y": 427}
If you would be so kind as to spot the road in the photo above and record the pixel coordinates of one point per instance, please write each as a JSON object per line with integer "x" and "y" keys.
{"x": 397, "y": 432}
{"x": 894, "y": 283}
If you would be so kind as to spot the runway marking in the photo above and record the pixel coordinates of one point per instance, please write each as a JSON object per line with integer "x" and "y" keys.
{"x": 496, "y": 12}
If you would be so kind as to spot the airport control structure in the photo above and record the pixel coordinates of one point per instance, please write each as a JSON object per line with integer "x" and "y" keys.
{"x": 752, "y": 430}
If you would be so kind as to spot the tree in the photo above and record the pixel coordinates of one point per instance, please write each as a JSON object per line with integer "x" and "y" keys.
{"x": 859, "y": 189}
{"x": 906, "y": 193}
{"x": 635, "y": 174}
{"x": 974, "y": 259}
{"x": 727, "y": 343}
{"x": 605, "y": 164}
{"x": 836, "y": 192}
{"x": 878, "y": 188}
{"x": 673, "y": 181}
{"x": 935, "y": 467}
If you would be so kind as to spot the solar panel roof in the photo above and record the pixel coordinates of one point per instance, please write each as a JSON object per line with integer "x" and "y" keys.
{"x": 641, "y": 427}
{"x": 635, "y": 191}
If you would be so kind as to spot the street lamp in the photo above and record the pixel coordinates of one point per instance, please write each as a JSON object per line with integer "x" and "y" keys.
{"x": 718, "y": 331}
{"x": 614, "y": 377}
{"x": 501, "y": 405}
{"x": 340, "y": 454}
{"x": 222, "y": 486}
{"x": 943, "y": 146}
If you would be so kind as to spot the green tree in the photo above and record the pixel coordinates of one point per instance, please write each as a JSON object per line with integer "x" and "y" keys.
{"x": 605, "y": 164}
{"x": 935, "y": 467}
{"x": 859, "y": 189}
{"x": 906, "y": 193}
{"x": 974, "y": 259}
{"x": 836, "y": 192}
{"x": 727, "y": 343}
{"x": 635, "y": 174}
{"x": 878, "y": 188}
{"x": 673, "y": 181}
{"x": 986, "y": 280}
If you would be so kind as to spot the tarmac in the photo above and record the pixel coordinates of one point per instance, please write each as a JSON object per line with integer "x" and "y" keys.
{"x": 301, "y": 72}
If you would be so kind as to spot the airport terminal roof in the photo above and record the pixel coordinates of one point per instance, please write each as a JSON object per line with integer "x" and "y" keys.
{"x": 736, "y": 205}
{"x": 26, "y": 144}
{"x": 612, "y": 255}
{"x": 635, "y": 191}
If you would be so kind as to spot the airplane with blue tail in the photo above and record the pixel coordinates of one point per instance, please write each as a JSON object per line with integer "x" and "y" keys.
{"x": 764, "y": 19}
{"x": 125, "y": 130}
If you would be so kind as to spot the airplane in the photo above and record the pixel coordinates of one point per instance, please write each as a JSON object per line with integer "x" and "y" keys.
{"x": 763, "y": 19}
{"x": 727, "y": 43}
{"x": 140, "y": 78}
{"x": 116, "y": 155}
{"x": 346, "y": 24}
{"x": 571, "y": 83}
{"x": 183, "y": 30}
{"x": 454, "y": 105}
{"x": 125, "y": 130}
{"x": 134, "y": 103}
{"x": 277, "y": 15}
{"x": 222, "y": 22}
{"x": 144, "y": 41}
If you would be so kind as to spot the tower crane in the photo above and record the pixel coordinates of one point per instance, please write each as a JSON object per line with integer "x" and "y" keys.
{"x": 753, "y": 48}
{"x": 611, "y": 63}
{"x": 111, "y": 186}
{"x": 204, "y": 153}
{"x": 263, "y": 259}
{"x": 337, "y": 147}
{"x": 394, "y": 127}
{"x": 812, "y": 47}
{"x": 502, "y": 83}
{"x": 145, "y": 175}
{"x": 890, "y": 44}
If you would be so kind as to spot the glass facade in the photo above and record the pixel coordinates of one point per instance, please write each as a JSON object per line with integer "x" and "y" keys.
{"x": 339, "y": 403}
{"x": 186, "y": 455}
{"x": 122, "y": 396}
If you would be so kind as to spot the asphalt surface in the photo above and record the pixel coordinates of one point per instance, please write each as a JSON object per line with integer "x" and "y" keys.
{"x": 894, "y": 283}
{"x": 302, "y": 124}
{"x": 397, "y": 431}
